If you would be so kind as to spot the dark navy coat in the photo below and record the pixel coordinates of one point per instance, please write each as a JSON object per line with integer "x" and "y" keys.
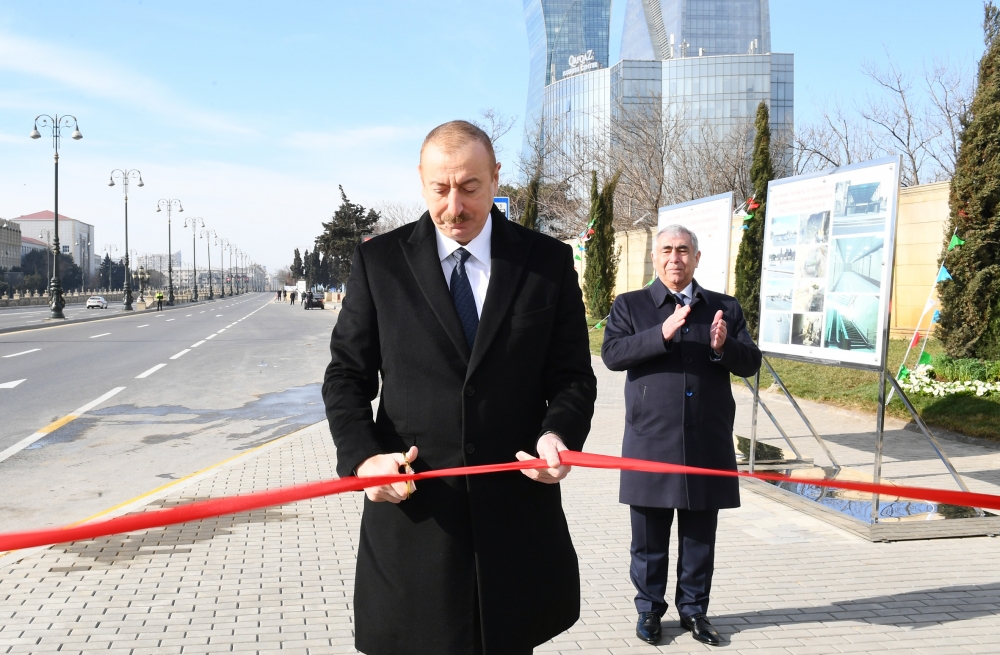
{"x": 679, "y": 405}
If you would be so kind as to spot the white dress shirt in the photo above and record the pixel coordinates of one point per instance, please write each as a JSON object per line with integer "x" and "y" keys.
{"x": 687, "y": 294}
{"x": 477, "y": 266}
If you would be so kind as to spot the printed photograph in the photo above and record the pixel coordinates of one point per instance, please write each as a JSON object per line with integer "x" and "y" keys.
{"x": 809, "y": 295}
{"x": 852, "y": 322}
{"x": 781, "y": 260}
{"x": 784, "y": 230}
{"x": 778, "y": 293}
{"x": 857, "y": 265}
{"x": 859, "y": 208}
{"x": 807, "y": 329}
{"x": 811, "y": 261}
{"x": 814, "y": 228}
{"x": 776, "y": 328}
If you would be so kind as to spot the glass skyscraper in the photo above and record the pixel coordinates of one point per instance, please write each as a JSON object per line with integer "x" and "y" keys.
{"x": 666, "y": 29}
{"x": 563, "y": 35}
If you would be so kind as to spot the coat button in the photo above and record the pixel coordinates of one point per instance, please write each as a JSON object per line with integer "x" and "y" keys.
{"x": 685, "y": 329}
{"x": 470, "y": 390}
{"x": 688, "y": 393}
{"x": 470, "y": 448}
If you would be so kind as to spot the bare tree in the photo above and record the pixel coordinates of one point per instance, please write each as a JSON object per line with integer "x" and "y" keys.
{"x": 837, "y": 139}
{"x": 950, "y": 90}
{"x": 396, "y": 214}
{"x": 900, "y": 123}
{"x": 496, "y": 125}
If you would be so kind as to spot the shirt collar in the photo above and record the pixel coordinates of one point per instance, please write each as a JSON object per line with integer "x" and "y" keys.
{"x": 478, "y": 247}
{"x": 661, "y": 292}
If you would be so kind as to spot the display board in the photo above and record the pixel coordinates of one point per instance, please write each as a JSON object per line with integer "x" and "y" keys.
{"x": 711, "y": 220}
{"x": 829, "y": 240}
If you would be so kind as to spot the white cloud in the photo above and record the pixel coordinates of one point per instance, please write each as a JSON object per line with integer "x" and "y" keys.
{"x": 104, "y": 78}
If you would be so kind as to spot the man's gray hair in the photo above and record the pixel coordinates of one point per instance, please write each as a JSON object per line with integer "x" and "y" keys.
{"x": 677, "y": 231}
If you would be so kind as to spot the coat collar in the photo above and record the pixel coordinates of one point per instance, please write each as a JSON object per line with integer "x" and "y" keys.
{"x": 662, "y": 294}
{"x": 509, "y": 252}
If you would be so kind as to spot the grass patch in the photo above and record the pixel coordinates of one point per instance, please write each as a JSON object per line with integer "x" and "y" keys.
{"x": 854, "y": 389}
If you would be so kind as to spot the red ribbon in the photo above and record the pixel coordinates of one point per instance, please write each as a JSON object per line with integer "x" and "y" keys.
{"x": 235, "y": 504}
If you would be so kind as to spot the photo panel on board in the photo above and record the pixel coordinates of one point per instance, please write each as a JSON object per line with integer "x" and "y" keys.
{"x": 776, "y": 328}
{"x": 807, "y": 329}
{"x": 859, "y": 208}
{"x": 852, "y": 322}
{"x": 857, "y": 264}
{"x": 777, "y": 292}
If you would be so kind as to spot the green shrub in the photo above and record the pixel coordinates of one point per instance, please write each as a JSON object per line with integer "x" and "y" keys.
{"x": 966, "y": 369}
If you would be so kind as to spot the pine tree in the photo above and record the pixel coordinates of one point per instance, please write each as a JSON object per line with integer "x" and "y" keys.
{"x": 342, "y": 234}
{"x": 104, "y": 272}
{"x": 970, "y": 301}
{"x": 751, "y": 254}
{"x": 297, "y": 265}
{"x": 529, "y": 218}
{"x": 601, "y": 266}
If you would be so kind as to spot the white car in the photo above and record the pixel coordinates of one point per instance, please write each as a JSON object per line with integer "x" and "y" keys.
{"x": 97, "y": 301}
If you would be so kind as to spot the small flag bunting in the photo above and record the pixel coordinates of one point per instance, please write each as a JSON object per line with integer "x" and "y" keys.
{"x": 916, "y": 339}
{"x": 943, "y": 275}
{"x": 577, "y": 258}
{"x": 925, "y": 358}
{"x": 903, "y": 373}
{"x": 955, "y": 241}
{"x": 937, "y": 316}
{"x": 746, "y": 227}
{"x": 747, "y": 217}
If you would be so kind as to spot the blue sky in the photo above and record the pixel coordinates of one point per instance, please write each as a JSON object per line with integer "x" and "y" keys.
{"x": 252, "y": 113}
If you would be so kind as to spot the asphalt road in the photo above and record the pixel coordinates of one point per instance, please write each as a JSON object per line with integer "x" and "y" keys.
{"x": 37, "y": 314}
{"x": 164, "y": 394}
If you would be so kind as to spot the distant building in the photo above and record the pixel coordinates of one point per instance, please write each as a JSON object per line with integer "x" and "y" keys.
{"x": 76, "y": 238}
{"x": 28, "y": 244}
{"x": 10, "y": 244}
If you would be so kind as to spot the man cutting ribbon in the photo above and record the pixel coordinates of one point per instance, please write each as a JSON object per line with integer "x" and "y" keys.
{"x": 477, "y": 329}
{"x": 679, "y": 343}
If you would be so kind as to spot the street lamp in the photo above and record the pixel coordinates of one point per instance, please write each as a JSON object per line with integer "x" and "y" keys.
{"x": 142, "y": 277}
{"x": 56, "y": 124}
{"x": 223, "y": 244}
{"x": 107, "y": 250}
{"x": 125, "y": 175}
{"x": 194, "y": 221}
{"x": 236, "y": 273}
{"x": 169, "y": 204}
{"x": 208, "y": 235}
{"x": 47, "y": 235}
{"x": 83, "y": 246}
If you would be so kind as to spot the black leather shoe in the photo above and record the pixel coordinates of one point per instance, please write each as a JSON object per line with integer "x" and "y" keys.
{"x": 701, "y": 629}
{"x": 648, "y": 627}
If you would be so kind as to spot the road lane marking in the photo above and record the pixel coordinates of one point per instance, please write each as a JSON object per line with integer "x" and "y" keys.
{"x": 11, "y": 385}
{"x": 104, "y": 334}
{"x": 218, "y": 316}
{"x": 142, "y": 326}
{"x": 23, "y": 352}
{"x": 55, "y": 425}
{"x": 186, "y": 315}
{"x": 221, "y": 331}
{"x": 198, "y": 344}
{"x": 171, "y": 319}
{"x": 146, "y": 374}
{"x": 181, "y": 353}
{"x": 210, "y": 337}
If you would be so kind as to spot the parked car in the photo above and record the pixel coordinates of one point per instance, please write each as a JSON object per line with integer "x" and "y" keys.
{"x": 314, "y": 300}
{"x": 97, "y": 301}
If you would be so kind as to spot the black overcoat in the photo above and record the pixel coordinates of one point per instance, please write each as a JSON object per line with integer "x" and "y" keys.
{"x": 679, "y": 405}
{"x": 502, "y": 536}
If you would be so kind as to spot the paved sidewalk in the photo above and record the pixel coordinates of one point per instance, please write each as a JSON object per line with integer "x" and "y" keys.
{"x": 281, "y": 580}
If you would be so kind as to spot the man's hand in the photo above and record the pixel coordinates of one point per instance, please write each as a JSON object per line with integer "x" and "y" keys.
{"x": 386, "y": 465}
{"x": 675, "y": 321}
{"x": 718, "y": 333}
{"x": 549, "y": 446}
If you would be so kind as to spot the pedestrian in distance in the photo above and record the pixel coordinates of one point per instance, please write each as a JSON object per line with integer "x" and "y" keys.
{"x": 159, "y": 301}
{"x": 679, "y": 344}
{"x": 292, "y": 296}
{"x": 476, "y": 327}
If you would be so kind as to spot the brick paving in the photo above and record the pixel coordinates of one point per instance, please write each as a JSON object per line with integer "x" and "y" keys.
{"x": 281, "y": 580}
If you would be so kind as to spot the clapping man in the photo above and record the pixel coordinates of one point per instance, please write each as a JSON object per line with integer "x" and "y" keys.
{"x": 679, "y": 343}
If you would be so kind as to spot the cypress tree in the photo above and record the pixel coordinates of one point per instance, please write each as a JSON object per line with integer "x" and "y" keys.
{"x": 751, "y": 253}
{"x": 601, "y": 266}
{"x": 970, "y": 301}
{"x": 297, "y": 265}
{"x": 529, "y": 218}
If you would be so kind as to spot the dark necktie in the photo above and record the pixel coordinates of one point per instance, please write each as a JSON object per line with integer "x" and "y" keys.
{"x": 680, "y": 299}
{"x": 461, "y": 295}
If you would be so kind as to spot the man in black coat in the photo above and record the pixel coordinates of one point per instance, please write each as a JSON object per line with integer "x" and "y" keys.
{"x": 477, "y": 329}
{"x": 679, "y": 343}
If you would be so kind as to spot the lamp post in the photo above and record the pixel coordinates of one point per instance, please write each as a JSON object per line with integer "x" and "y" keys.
{"x": 47, "y": 235}
{"x": 56, "y": 124}
{"x": 236, "y": 276}
{"x": 107, "y": 250}
{"x": 195, "y": 222}
{"x": 222, "y": 243}
{"x": 169, "y": 204}
{"x": 208, "y": 235}
{"x": 125, "y": 175}
{"x": 141, "y": 277}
